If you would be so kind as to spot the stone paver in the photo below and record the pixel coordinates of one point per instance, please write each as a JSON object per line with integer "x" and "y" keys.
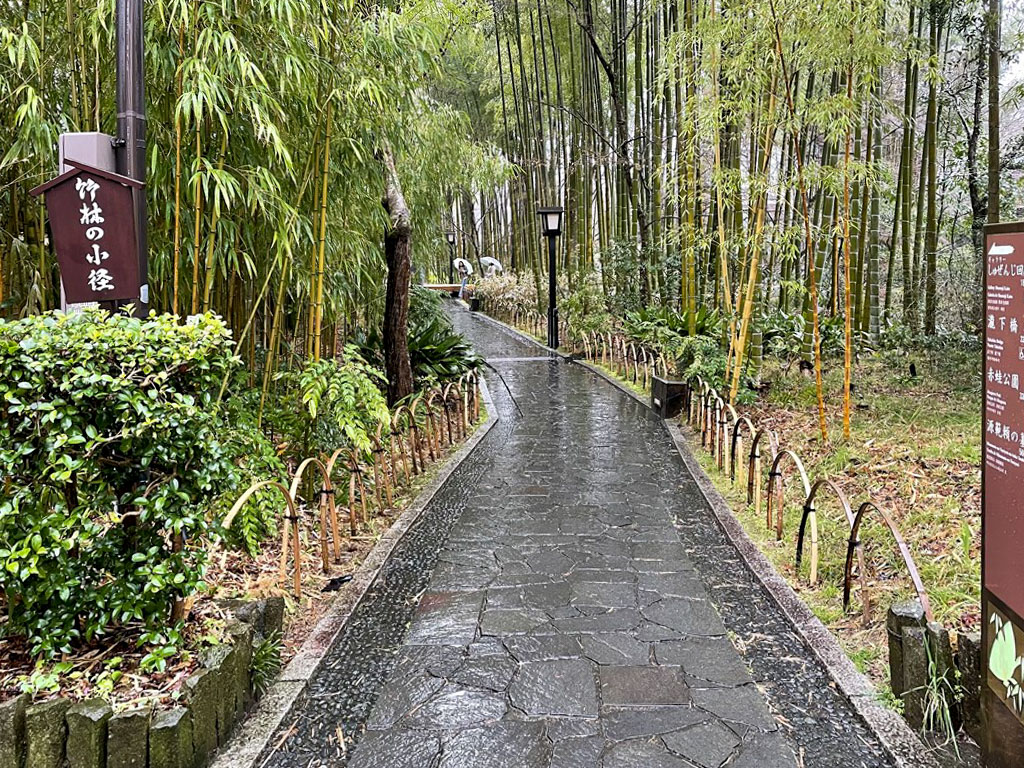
{"x": 566, "y": 619}
{"x": 582, "y": 579}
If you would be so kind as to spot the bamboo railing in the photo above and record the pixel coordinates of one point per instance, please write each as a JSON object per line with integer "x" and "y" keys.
{"x": 717, "y": 423}
{"x": 720, "y": 430}
{"x": 417, "y": 435}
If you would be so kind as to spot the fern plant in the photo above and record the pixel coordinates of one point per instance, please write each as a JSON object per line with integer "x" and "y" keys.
{"x": 254, "y": 458}
{"x": 343, "y": 402}
{"x": 437, "y": 352}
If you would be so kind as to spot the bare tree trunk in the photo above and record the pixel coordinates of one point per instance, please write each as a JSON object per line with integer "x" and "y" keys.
{"x": 397, "y": 250}
{"x": 930, "y": 160}
{"x": 975, "y": 184}
{"x": 994, "y": 42}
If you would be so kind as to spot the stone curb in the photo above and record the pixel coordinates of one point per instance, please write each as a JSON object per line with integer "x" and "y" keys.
{"x": 565, "y": 356}
{"x": 519, "y": 334}
{"x": 257, "y": 731}
{"x": 614, "y": 382}
{"x": 892, "y": 731}
{"x": 896, "y": 737}
{"x": 89, "y": 734}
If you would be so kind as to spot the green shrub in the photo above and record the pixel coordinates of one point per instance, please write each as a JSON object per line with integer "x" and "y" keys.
{"x": 702, "y": 356}
{"x": 585, "y": 308}
{"x": 782, "y": 333}
{"x": 109, "y": 452}
{"x": 833, "y": 335}
{"x": 254, "y": 458}
{"x": 265, "y": 663}
{"x": 425, "y": 305}
{"x": 438, "y": 353}
{"x": 509, "y": 292}
{"x": 664, "y": 329}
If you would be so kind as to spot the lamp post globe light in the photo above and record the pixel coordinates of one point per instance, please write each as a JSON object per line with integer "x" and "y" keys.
{"x": 551, "y": 225}
{"x": 450, "y": 236}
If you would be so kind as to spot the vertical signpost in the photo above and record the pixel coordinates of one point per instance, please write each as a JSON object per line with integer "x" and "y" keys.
{"x": 98, "y": 217}
{"x": 551, "y": 225}
{"x": 1002, "y": 568}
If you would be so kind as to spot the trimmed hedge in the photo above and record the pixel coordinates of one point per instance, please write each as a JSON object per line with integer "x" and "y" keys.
{"x": 109, "y": 458}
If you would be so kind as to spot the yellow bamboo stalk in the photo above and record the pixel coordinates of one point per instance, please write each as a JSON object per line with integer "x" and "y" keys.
{"x": 318, "y": 306}
{"x": 177, "y": 173}
{"x": 723, "y": 257}
{"x": 805, "y": 208}
{"x": 196, "y": 243}
{"x": 755, "y": 258}
{"x": 848, "y": 322}
{"x": 275, "y": 330}
{"x": 210, "y": 271}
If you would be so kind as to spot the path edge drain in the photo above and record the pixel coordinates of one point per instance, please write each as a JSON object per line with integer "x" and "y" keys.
{"x": 519, "y": 334}
{"x": 892, "y": 731}
{"x": 254, "y": 736}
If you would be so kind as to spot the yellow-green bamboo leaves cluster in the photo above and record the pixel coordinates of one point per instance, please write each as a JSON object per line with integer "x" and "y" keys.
{"x": 263, "y": 121}
{"x": 761, "y": 157}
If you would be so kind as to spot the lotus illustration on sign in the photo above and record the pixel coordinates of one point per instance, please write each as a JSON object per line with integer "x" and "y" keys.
{"x": 1003, "y": 661}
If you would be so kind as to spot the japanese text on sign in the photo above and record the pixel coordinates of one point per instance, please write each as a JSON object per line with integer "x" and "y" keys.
{"x": 92, "y": 220}
{"x": 1003, "y": 470}
{"x": 91, "y": 217}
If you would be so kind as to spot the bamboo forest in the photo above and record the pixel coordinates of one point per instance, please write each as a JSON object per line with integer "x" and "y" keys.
{"x": 555, "y": 383}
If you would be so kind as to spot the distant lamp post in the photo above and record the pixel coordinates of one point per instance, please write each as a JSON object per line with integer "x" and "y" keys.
{"x": 551, "y": 224}
{"x": 450, "y": 235}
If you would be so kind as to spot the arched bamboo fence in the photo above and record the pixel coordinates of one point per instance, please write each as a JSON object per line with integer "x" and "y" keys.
{"x": 717, "y": 423}
{"x": 426, "y": 419}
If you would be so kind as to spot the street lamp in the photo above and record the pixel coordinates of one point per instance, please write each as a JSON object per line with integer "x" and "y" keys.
{"x": 551, "y": 224}
{"x": 450, "y": 235}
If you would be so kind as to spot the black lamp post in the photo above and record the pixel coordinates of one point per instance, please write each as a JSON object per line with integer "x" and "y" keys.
{"x": 450, "y": 235}
{"x": 551, "y": 224}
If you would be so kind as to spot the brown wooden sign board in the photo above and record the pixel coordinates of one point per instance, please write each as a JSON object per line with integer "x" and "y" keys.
{"x": 92, "y": 221}
{"x": 1002, "y": 491}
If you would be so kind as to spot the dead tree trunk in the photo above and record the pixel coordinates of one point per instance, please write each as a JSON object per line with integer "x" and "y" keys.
{"x": 398, "y": 251}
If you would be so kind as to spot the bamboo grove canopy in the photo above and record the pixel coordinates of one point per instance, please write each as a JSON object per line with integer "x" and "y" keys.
{"x": 265, "y": 121}
{"x": 776, "y": 160}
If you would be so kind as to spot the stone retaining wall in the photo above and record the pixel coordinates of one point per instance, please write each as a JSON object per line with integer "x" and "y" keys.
{"x": 62, "y": 734}
{"x": 920, "y": 653}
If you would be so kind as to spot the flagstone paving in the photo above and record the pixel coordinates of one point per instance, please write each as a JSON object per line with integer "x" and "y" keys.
{"x": 569, "y": 603}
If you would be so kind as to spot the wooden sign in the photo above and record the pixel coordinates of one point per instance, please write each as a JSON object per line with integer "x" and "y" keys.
{"x": 93, "y": 225}
{"x": 1002, "y": 490}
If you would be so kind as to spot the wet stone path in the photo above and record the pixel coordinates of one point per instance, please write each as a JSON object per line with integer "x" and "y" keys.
{"x": 567, "y": 601}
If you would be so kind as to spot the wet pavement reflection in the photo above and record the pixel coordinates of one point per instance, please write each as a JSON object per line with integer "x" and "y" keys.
{"x": 570, "y": 604}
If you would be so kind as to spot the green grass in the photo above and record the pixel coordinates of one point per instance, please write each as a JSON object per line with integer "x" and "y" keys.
{"x": 628, "y": 383}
